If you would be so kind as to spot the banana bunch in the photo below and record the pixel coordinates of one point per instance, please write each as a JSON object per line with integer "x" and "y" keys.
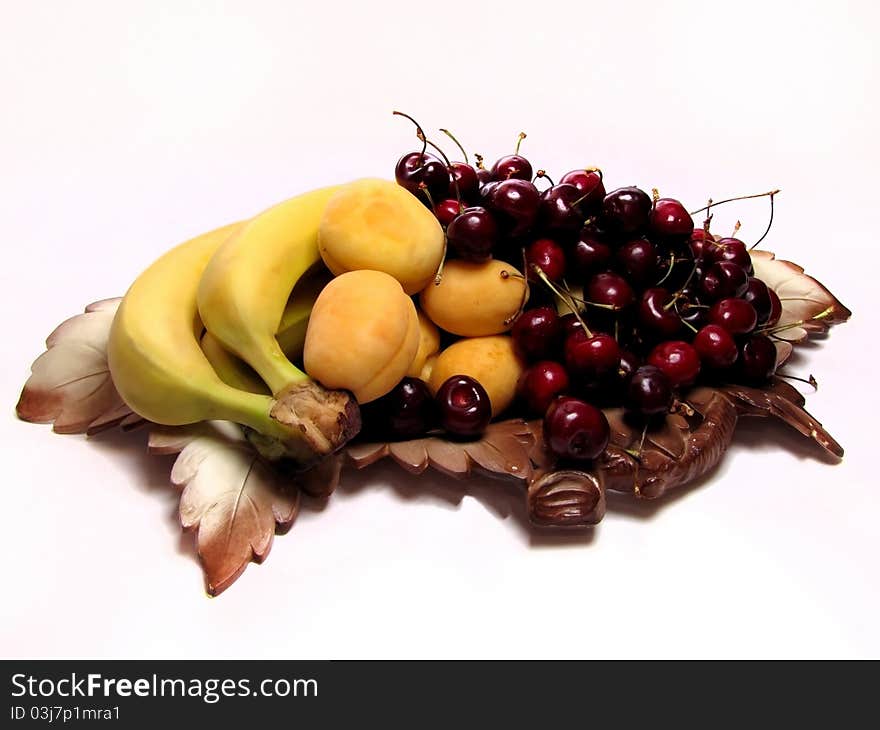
{"x": 207, "y": 332}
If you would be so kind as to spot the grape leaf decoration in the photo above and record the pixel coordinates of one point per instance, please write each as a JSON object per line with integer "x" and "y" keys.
{"x": 230, "y": 498}
{"x": 70, "y": 384}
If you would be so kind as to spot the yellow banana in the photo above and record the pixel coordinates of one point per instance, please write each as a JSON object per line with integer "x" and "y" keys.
{"x": 291, "y": 336}
{"x": 246, "y": 285}
{"x": 162, "y": 374}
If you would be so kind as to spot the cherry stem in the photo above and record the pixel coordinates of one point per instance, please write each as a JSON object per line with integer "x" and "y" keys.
{"x": 685, "y": 322}
{"x": 769, "y": 223}
{"x": 665, "y": 276}
{"x": 781, "y": 328}
{"x": 812, "y": 382}
{"x": 419, "y": 133}
{"x": 479, "y": 158}
{"x": 526, "y": 293}
{"x": 736, "y": 228}
{"x": 565, "y": 297}
{"x": 655, "y": 195}
{"x": 543, "y": 173}
{"x": 519, "y": 139}
{"x": 677, "y": 295}
{"x": 457, "y": 144}
{"x": 449, "y": 168}
{"x": 609, "y": 307}
{"x": 711, "y": 204}
{"x": 424, "y": 188}
{"x": 438, "y": 277}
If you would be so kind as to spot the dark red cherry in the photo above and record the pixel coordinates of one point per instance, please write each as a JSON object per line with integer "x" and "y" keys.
{"x": 629, "y": 363}
{"x": 657, "y": 316}
{"x": 758, "y": 295}
{"x": 670, "y": 220}
{"x": 560, "y": 211}
{"x": 588, "y": 256}
{"x": 637, "y": 261}
{"x": 466, "y": 177}
{"x": 590, "y": 186}
{"x": 733, "y": 250}
{"x": 447, "y": 210}
{"x": 415, "y": 168}
{"x": 538, "y": 333}
{"x": 698, "y": 244}
{"x": 692, "y": 313}
{"x": 570, "y": 324}
{"x": 626, "y": 210}
{"x": 775, "y": 308}
{"x": 540, "y": 384}
{"x": 549, "y": 256}
{"x": 716, "y": 347}
{"x": 610, "y": 289}
{"x": 473, "y": 234}
{"x": 574, "y": 429}
{"x": 678, "y": 361}
{"x": 591, "y": 358}
{"x": 649, "y": 391}
{"x": 407, "y": 411}
{"x": 737, "y": 316}
{"x": 515, "y": 203}
{"x": 724, "y": 279}
{"x": 757, "y": 359}
{"x": 512, "y": 167}
{"x": 463, "y": 404}
{"x": 484, "y": 176}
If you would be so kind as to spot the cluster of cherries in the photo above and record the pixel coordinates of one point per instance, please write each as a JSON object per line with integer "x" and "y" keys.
{"x": 654, "y": 305}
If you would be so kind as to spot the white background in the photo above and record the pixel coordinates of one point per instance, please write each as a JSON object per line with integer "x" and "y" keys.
{"x": 127, "y": 127}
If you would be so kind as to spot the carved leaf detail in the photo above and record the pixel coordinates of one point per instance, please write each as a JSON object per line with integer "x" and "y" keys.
{"x": 231, "y": 498}
{"x": 70, "y": 384}
{"x": 801, "y": 295}
{"x": 502, "y": 451}
{"x": 566, "y": 498}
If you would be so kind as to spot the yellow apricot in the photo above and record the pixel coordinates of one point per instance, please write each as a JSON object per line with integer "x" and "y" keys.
{"x": 376, "y": 224}
{"x": 362, "y": 336}
{"x": 473, "y": 300}
{"x": 429, "y": 344}
{"x": 492, "y": 361}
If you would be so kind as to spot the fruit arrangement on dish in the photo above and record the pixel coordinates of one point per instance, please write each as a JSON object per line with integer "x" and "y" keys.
{"x": 473, "y": 320}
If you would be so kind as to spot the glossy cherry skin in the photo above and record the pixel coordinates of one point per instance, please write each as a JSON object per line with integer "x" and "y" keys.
{"x": 775, "y": 308}
{"x": 627, "y": 210}
{"x": 693, "y": 314}
{"x": 484, "y": 176}
{"x": 678, "y": 361}
{"x": 591, "y": 358}
{"x": 610, "y": 289}
{"x": 512, "y": 167}
{"x": 588, "y": 256}
{"x": 411, "y": 409}
{"x": 415, "y": 168}
{"x": 649, "y": 391}
{"x": 515, "y": 203}
{"x": 757, "y": 359}
{"x": 574, "y": 429}
{"x": 637, "y": 261}
{"x": 538, "y": 333}
{"x": 724, "y": 279}
{"x": 466, "y": 178}
{"x": 540, "y": 384}
{"x": 570, "y": 324}
{"x": 716, "y": 347}
{"x": 670, "y": 220}
{"x": 733, "y": 250}
{"x": 698, "y": 244}
{"x": 558, "y": 212}
{"x": 548, "y": 255}
{"x": 473, "y": 234}
{"x": 655, "y": 317}
{"x": 758, "y": 295}
{"x": 590, "y": 186}
{"x": 446, "y": 211}
{"x": 463, "y": 405}
{"x": 737, "y": 316}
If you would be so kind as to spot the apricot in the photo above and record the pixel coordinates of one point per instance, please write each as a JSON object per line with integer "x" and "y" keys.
{"x": 474, "y": 299}
{"x": 429, "y": 344}
{"x": 376, "y": 224}
{"x": 363, "y": 334}
{"x": 492, "y": 361}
